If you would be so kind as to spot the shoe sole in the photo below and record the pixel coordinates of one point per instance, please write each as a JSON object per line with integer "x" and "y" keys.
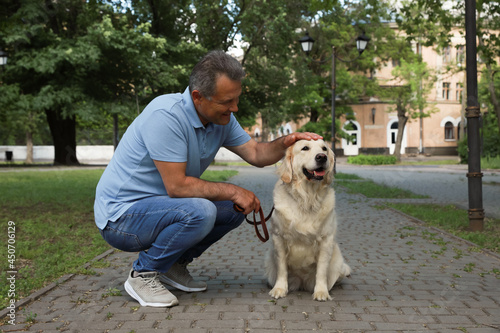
{"x": 133, "y": 294}
{"x": 176, "y": 285}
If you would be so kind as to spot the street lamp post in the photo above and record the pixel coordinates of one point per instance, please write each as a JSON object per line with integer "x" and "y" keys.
{"x": 3, "y": 62}
{"x": 307, "y": 43}
{"x": 473, "y": 113}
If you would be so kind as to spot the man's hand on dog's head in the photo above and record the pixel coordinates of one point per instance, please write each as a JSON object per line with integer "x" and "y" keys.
{"x": 294, "y": 137}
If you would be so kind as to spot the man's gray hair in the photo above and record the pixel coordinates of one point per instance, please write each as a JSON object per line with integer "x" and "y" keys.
{"x": 214, "y": 64}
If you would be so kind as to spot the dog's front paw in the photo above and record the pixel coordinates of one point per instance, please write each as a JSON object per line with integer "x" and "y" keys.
{"x": 322, "y": 296}
{"x": 278, "y": 292}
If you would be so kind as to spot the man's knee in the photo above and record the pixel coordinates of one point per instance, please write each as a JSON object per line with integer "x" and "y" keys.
{"x": 205, "y": 212}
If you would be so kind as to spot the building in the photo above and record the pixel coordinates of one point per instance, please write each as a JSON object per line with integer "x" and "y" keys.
{"x": 375, "y": 127}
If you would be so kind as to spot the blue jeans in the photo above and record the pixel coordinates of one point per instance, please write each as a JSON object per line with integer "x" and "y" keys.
{"x": 167, "y": 230}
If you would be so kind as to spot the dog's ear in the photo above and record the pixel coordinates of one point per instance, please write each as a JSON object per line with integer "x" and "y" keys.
{"x": 330, "y": 172}
{"x": 285, "y": 170}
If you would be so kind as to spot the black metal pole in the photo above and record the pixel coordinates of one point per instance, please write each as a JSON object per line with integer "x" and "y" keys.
{"x": 333, "y": 98}
{"x": 473, "y": 113}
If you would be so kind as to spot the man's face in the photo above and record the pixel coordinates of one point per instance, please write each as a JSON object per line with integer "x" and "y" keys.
{"x": 218, "y": 109}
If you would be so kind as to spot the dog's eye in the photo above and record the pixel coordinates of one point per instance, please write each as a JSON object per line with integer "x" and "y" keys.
{"x": 305, "y": 148}
{"x": 324, "y": 148}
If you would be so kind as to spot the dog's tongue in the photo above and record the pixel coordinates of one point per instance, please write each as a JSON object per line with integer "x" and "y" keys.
{"x": 320, "y": 173}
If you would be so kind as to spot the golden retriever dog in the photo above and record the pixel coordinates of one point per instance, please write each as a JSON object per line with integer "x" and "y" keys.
{"x": 304, "y": 254}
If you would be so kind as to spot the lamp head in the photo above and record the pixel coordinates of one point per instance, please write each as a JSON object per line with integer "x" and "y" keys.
{"x": 3, "y": 58}
{"x": 362, "y": 42}
{"x": 307, "y": 43}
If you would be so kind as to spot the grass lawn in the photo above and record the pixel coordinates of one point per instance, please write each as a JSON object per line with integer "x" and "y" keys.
{"x": 455, "y": 221}
{"x": 490, "y": 162}
{"x": 370, "y": 189}
{"x": 55, "y": 232}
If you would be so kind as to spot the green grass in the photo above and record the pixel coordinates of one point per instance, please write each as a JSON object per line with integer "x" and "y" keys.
{"x": 22, "y": 164}
{"x": 218, "y": 175}
{"x": 55, "y": 233}
{"x": 490, "y": 162}
{"x": 372, "y": 159}
{"x": 371, "y": 189}
{"x": 455, "y": 221}
{"x": 54, "y": 226}
{"x": 346, "y": 176}
{"x": 235, "y": 163}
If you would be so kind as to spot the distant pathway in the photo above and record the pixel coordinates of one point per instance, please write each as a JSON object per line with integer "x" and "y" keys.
{"x": 445, "y": 184}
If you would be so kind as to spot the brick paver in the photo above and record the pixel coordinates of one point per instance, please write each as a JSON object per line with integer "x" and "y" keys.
{"x": 406, "y": 277}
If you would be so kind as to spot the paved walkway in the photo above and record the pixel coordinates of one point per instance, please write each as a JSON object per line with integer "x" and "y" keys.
{"x": 406, "y": 277}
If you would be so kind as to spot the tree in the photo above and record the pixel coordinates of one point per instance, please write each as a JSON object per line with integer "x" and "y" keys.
{"x": 20, "y": 114}
{"x": 412, "y": 82}
{"x": 43, "y": 62}
{"x": 76, "y": 58}
{"x": 270, "y": 37}
{"x": 489, "y": 48}
{"x": 47, "y": 60}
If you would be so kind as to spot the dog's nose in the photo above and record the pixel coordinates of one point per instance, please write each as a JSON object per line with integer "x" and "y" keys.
{"x": 321, "y": 158}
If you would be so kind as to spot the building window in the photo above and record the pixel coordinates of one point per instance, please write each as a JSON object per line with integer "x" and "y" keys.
{"x": 394, "y": 132}
{"x": 418, "y": 48}
{"x": 459, "y": 90}
{"x": 446, "y": 90}
{"x": 449, "y": 133}
{"x": 447, "y": 55}
{"x": 461, "y": 54}
{"x": 353, "y": 139}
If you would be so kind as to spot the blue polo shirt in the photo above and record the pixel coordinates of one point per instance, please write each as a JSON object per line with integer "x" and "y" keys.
{"x": 169, "y": 130}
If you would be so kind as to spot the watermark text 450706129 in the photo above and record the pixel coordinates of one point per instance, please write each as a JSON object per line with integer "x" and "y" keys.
{"x": 11, "y": 272}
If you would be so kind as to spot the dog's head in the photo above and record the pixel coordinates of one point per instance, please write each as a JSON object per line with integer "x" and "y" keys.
{"x": 308, "y": 159}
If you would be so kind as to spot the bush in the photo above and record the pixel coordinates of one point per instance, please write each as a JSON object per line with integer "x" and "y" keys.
{"x": 489, "y": 137}
{"x": 463, "y": 151}
{"x": 372, "y": 159}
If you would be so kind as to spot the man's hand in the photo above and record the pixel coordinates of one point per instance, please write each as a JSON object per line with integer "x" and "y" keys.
{"x": 267, "y": 153}
{"x": 247, "y": 201}
{"x": 294, "y": 137}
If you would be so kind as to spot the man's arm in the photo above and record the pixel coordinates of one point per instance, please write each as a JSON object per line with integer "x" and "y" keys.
{"x": 267, "y": 153}
{"x": 178, "y": 185}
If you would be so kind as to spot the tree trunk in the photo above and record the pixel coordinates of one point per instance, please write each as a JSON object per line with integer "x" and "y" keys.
{"x": 29, "y": 147}
{"x": 265, "y": 129}
{"x": 314, "y": 116}
{"x": 63, "y": 132}
{"x": 402, "y": 119}
{"x": 491, "y": 86}
{"x": 493, "y": 96}
{"x": 115, "y": 131}
{"x": 463, "y": 119}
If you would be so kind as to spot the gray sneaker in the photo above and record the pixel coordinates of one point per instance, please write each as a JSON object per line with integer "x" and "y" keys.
{"x": 148, "y": 290}
{"x": 178, "y": 277}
